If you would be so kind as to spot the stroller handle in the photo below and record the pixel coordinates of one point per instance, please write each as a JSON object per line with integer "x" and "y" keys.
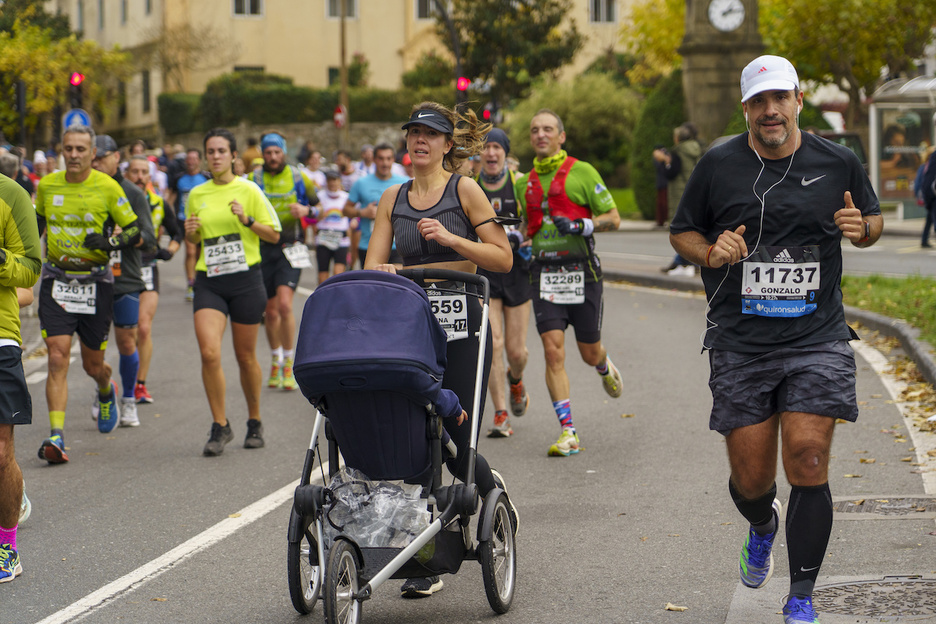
{"x": 421, "y": 275}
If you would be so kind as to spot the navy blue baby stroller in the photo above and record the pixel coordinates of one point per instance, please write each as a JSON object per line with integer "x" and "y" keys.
{"x": 370, "y": 357}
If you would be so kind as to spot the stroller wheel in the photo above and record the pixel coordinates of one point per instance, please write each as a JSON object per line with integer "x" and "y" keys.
{"x": 341, "y": 585}
{"x": 498, "y": 555}
{"x": 304, "y": 572}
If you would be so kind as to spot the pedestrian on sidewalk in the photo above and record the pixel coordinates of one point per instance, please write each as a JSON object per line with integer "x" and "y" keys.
{"x": 764, "y": 215}
{"x": 924, "y": 189}
{"x": 677, "y": 165}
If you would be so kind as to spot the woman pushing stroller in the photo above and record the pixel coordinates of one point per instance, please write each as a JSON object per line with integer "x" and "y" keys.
{"x": 443, "y": 220}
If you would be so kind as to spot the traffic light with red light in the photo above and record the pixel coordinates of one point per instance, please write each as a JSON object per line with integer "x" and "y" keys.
{"x": 74, "y": 89}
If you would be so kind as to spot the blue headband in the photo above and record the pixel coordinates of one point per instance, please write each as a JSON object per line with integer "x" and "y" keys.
{"x": 273, "y": 140}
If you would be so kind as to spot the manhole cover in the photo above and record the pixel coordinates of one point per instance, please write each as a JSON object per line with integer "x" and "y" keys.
{"x": 891, "y": 599}
{"x": 887, "y": 506}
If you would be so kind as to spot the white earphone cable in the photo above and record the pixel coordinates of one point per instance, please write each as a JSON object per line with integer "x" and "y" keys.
{"x": 709, "y": 323}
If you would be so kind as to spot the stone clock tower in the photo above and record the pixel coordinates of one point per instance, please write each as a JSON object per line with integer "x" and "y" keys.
{"x": 721, "y": 38}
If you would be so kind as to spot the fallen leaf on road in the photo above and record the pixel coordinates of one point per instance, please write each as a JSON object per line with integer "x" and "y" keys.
{"x": 875, "y": 396}
{"x": 852, "y": 476}
{"x": 236, "y": 515}
{"x": 671, "y": 607}
{"x": 867, "y": 460}
{"x": 858, "y": 502}
{"x": 627, "y": 415}
{"x": 158, "y": 600}
{"x": 906, "y": 459}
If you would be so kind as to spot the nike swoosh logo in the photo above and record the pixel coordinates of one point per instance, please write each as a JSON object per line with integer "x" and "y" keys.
{"x": 14, "y": 414}
{"x": 421, "y": 115}
{"x": 802, "y": 569}
{"x": 806, "y": 182}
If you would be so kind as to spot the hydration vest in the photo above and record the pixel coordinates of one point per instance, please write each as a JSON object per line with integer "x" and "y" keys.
{"x": 557, "y": 202}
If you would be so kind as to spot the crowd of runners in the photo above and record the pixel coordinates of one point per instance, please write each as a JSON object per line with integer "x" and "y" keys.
{"x": 252, "y": 225}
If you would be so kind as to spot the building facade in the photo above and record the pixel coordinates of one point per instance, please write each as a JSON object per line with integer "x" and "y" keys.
{"x": 180, "y": 45}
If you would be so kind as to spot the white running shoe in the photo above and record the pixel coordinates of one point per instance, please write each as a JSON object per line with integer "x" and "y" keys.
{"x": 128, "y": 412}
{"x": 686, "y": 270}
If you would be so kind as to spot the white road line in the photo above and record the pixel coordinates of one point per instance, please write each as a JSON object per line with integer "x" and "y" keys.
{"x": 40, "y": 375}
{"x": 895, "y": 387}
{"x": 146, "y": 573}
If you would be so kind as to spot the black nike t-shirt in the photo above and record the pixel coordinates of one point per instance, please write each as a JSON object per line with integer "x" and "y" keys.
{"x": 787, "y": 293}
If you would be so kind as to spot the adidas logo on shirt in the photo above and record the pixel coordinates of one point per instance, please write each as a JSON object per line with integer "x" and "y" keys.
{"x": 784, "y": 256}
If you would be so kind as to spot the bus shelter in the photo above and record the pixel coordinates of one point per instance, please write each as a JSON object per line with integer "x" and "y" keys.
{"x": 902, "y": 129}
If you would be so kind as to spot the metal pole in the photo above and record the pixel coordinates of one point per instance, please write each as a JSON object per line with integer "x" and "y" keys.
{"x": 461, "y": 97}
{"x": 344, "y": 138}
{"x": 21, "y": 105}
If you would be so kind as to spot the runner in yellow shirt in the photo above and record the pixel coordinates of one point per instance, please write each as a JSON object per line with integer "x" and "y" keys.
{"x": 79, "y": 207}
{"x": 229, "y": 216}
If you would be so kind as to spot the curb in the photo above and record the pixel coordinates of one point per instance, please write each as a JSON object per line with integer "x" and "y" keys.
{"x": 919, "y": 351}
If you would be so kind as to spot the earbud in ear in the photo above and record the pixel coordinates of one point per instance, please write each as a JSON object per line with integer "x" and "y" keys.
{"x": 799, "y": 109}
{"x": 745, "y": 116}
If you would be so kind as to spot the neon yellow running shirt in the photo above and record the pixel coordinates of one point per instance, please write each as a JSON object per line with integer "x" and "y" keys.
{"x": 72, "y": 211}
{"x": 211, "y": 203}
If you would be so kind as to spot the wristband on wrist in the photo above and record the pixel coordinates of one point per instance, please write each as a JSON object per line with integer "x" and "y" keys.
{"x": 250, "y": 222}
{"x": 867, "y": 232}
{"x": 708, "y": 254}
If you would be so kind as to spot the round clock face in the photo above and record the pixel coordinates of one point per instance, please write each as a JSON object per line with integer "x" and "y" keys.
{"x": 726, "y": 15}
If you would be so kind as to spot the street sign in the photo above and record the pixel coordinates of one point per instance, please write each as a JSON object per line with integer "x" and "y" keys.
{"x": 341, "y": 116}
{"x": 74, "y": 117}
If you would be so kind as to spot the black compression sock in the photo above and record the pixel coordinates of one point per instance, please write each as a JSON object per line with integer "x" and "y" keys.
{"x": 759, "y": 512}
{"x": 808, "y": 527}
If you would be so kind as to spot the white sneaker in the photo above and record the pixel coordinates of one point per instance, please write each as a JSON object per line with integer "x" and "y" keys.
{"x": 612, "y": 382}
{"x": 686, "y": 270}
{"x": 128, "y": 412}
{"x": 95, "y": 406}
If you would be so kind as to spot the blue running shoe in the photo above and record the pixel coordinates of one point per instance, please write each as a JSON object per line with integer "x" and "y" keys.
{"x": 110, "y": 412}
{"x": 756, "y": 556}
{"x": 10, "y": 566}
{"x": 799, "y": 610}
{"x": 53, "y": 449}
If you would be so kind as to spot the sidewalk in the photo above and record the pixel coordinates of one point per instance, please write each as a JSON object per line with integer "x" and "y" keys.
{"x": 892, "y": 226}
{"x": 920, "y": 352}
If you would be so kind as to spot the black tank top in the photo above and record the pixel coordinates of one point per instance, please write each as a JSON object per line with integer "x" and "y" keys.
{"x": 448, "y": 211}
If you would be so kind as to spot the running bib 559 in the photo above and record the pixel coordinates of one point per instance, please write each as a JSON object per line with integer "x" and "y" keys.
{"x": 781, "y": 281}
{"x": 451, "y": 310}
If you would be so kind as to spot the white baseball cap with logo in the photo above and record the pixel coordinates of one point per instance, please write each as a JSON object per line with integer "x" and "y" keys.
{"x": 767, "y": 73}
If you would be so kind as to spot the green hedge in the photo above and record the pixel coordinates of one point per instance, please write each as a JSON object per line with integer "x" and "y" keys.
{"x": 178, "y": 112}
{"x": 261, "y": 99}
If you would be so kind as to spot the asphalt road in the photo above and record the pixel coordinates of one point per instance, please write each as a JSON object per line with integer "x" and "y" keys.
{"x": 140, "y": 527}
